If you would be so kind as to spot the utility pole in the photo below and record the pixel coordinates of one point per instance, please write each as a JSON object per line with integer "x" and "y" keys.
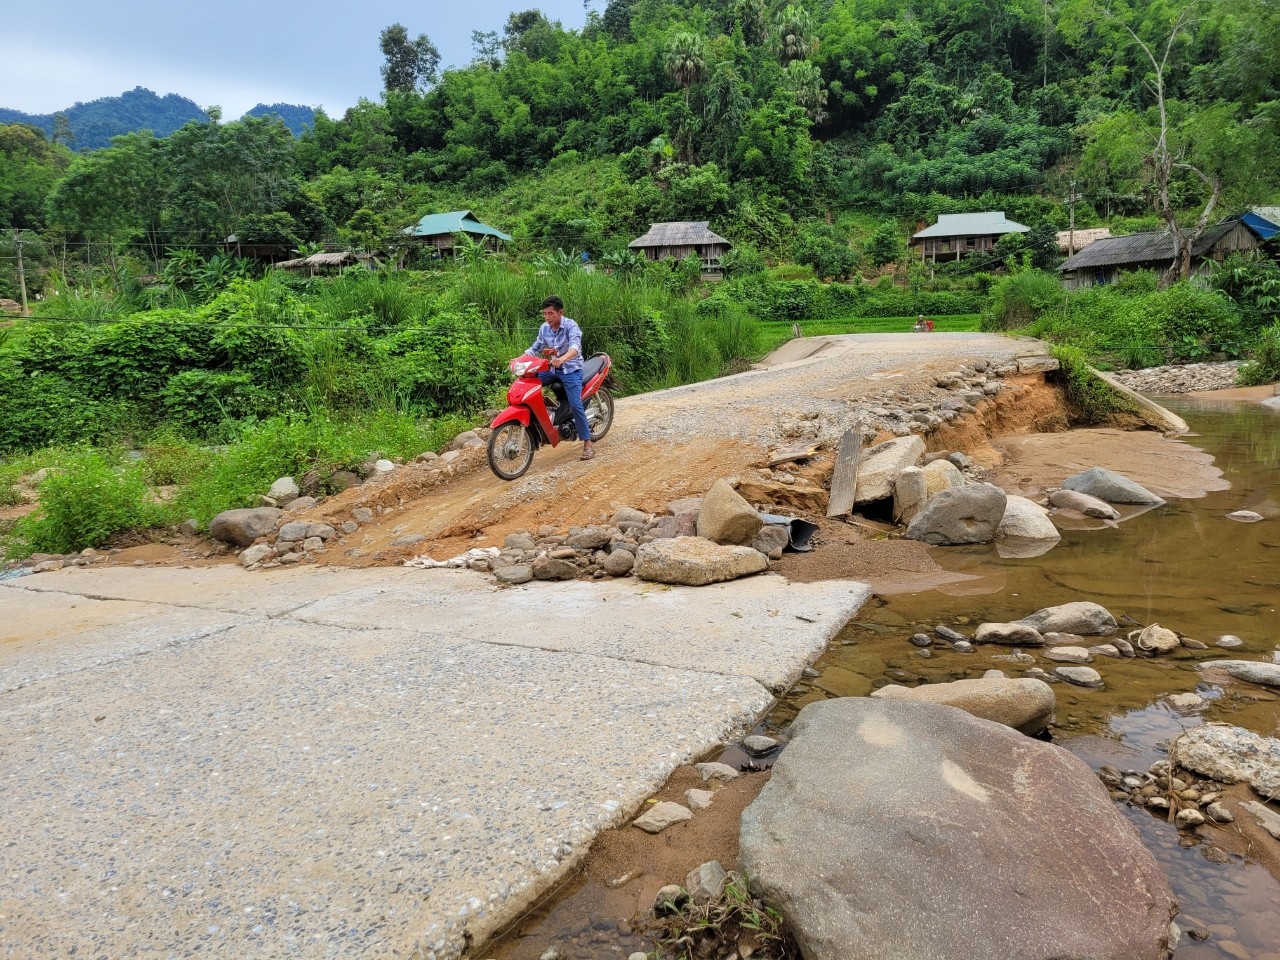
{"x": 1070, "y": 201}
{"x": 22, "y": 277}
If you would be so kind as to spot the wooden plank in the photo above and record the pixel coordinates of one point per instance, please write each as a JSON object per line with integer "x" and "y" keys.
{"x": 797, "y": 451}
{"x": 844, "y": 479}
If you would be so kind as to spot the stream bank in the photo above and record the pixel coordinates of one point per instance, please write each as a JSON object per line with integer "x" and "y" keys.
{"x": 1183, "y": 564}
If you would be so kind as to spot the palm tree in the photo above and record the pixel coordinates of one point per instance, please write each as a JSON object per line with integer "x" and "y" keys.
{"x": 795, "y": 35}
{"x": 685, "y": 61}
{"x": 805, "y": 81}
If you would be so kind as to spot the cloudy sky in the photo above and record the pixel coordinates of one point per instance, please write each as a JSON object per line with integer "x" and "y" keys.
{"x": 235, "y": 53}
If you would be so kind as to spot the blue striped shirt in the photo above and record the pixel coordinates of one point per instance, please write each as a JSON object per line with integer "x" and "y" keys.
{"x": 569, "y": 335}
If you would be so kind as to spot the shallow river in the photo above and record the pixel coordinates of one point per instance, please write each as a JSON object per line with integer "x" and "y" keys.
{"x": 1183, "y": 565}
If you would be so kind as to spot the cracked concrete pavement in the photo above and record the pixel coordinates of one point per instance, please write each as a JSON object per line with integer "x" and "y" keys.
{"x": 336, "y": 762}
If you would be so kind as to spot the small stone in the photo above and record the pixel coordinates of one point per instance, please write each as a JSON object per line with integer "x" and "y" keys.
{"x": 514, "y": 574}
{"x": 1219, "y": 814}
{"x": 1009, "y": 634}
{"x": 548, "y": 568}
{"x": 994, "y": 675}
{"x": 1080, "y": 676}
{"x": 362, "y": 515}
{"x": 1230, "y": 641}
{"x": 189, "y": 527}
{"x": 291, "y": 558}
{"x": 284, "y": 491}
{"x": 619, "y": 563}
{"x": 698, "y": 799}
{"x": 1125, "y": 648}
{"x": 350, "y": 527}
{"x": 962, "y": 646}
{"x": 255, "y": 554}
{"x": 381, "y": 467}
{"x": 629, "y": 515}
{"x": 951, "y": 636}
{"x": 670, "y": 899}
{"x": 1244, "y": 516}
{"x": 921, "y": 639}
{"x": 321, "y": 530}
{"x": 1068, "y": 655}
{"x": 551, "y": 954}
{"x": 519, "y": 541}
{"x": 662, "y": 815}
{"x": 410, "y": 540}
{"x": 716, "y": 771}
{"x": 1157, "y": 803}
{"x": 706, "y": 882}
{"x": 313, "y": 545}
{"x": 758, "y": 745}
{"x": 1186, "y": 701}
{"x": 1188, "y": 817}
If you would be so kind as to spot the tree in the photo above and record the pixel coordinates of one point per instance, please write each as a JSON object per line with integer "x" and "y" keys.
{"x": 410, "y": 64}
{"x": 487, "y": 47}
{"x": 62, "y": 132}
{"x": 805, "y": 81}
{"x": 796, "y": 39}
{"x": 685, "y": 61}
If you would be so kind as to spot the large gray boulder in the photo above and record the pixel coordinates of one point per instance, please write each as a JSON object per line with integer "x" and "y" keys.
{"x": 1231, "y": 755}
{"x": 1024, "y": 703}
{"x": 284, "y": 491}
{"x": 1025, "y": 520}
{"x": 893, "y": 829}
{"x": 726, "y": 517}
{"x": 969, "y": 514}
{"x": 1079, "y": 617}
{"x": 1251, "y": 671}
{"x": 1083, "y": 503}
{"x": 881, "y": 465}
{"x": 1110, "y": 486}
{"x": 941, "y": 475}
{"x": 910, "y": 491}
{"x": 242, "y": 527}
{"x": 695, "y": 562}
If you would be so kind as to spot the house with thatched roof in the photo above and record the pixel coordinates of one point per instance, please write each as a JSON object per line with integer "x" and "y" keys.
{"x": 1071, "y": 242}
{"x": 678, "y": 239}
{"x": 439, "y": 230}
{"x": 336, "y": 262}
{"x": 957, "y": 235}
{"x": 1103, "y": 261}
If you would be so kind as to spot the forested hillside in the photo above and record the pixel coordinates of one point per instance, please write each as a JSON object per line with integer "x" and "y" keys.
{"x": 815, "y": 136}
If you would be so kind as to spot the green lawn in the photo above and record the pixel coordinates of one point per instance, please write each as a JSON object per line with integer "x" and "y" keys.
{"x": 777, "y": 332}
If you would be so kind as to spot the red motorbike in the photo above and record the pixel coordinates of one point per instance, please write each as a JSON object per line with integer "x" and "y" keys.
{"x": 530, "y": 421}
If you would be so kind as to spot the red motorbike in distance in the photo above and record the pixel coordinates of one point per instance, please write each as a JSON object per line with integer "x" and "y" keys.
{"x": 529, "y": 421}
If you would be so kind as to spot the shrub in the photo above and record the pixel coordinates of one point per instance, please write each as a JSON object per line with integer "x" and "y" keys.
{"x": 1091, "y": 398}
{"x": 90, "y": 499}
{"x": 885, "y": 245}
{"x": 1263, "y": 365}
{"x": 198, "y": 402}
{"x": 1018, "y": 299}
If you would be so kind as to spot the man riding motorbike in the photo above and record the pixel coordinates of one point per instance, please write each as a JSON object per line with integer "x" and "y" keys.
{"x": 562, "y": 337}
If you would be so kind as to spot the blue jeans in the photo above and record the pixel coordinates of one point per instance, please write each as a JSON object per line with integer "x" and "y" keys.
{"x": 573, "y": 390}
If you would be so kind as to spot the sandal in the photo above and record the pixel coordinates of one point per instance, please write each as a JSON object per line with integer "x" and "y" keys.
{"x": 588, "y": 453}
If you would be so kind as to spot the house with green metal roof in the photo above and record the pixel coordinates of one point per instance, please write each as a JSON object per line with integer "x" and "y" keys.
{"x": 439, "y": 230}
{"x": 959, "y": 234}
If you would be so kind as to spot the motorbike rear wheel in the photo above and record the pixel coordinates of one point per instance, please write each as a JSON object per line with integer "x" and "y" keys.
{"x": 600, "y": 413}
{"x": 510, "y": 450}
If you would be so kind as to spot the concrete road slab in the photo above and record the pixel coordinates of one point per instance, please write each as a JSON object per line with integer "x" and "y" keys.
{"x": 48, "y": 634}
{"x": 269, "y": 593}
{"x": 411, "y": 775}
{"x": 297, "y": 789}
{"x": 751, "y": 627}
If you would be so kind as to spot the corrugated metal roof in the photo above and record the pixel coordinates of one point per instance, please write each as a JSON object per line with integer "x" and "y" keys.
{"x": 456, "y": 221}
{"x": 990, "y": 223}
{"x": 679, "y": 233}
{"x": 1152, "y": 246}
{"x": 1264, "y": 221}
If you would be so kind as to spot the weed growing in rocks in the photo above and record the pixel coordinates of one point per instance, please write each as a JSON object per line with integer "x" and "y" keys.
{"x": 735, "y": 924}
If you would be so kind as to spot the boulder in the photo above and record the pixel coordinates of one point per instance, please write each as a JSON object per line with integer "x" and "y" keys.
{"x": 293, "y": 531}
{"x": 1068, "y": 655}
{"x": 910, "y": 491}
{"x": 681, "y": 525}
{"x": 772, "y": 540}
{"x": 1251, "y": 671}
{"x": 1025, "y": 520}
{"x": 725, "y": 517}
{"x": 941, "y": 475}
{"x": 549, "y": 568}
{"x": 881, "y": 465}
{"x": 1008, "y": 634}
{"x": 322, "y": 530}
{"x": 520, "y": 540}
{"x": 695, "y": 562}
{"x": 892, "y": 828}
{"x": 629, "y": 515}
{"x": 514, "y": 574}
{"x": 592, "y": 538}
{"x": 1083, "y": 503}
{"x": 1080, "y": 676}
{"x": 244, "y": 526}
{"x": 1231, "y": 755}
{"x": 1110, "y": 486}
{"x": 284, "y": 491}
{"x": 619, "y": 563}
{"x": 970, "y": 514}
{"x": 1024, "y": 704}
{"x": 1079, "y": 617}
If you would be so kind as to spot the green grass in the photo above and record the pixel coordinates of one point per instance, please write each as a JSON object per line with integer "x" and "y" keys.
{"x": 774, "y": 333}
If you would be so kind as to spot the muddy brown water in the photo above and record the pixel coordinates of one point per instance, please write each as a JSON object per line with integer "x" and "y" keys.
{"x": 1183, "y": 565}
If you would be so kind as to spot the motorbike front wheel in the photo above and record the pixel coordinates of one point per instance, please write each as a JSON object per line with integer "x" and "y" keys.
{"x": 600, "y": 413}
{"x": 510, "y": 450}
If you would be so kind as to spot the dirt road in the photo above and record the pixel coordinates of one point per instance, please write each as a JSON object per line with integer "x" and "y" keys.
{"x": 665, "y": 445}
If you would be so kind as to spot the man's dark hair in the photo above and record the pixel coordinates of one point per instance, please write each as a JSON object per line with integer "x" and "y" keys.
{"x": 554, "y": 302}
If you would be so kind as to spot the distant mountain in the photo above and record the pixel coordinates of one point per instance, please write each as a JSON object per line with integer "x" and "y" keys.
{"x": 295, "y": 117}
{"x": 93, "y": 124}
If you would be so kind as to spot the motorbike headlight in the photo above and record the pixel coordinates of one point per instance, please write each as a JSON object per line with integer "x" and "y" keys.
{"x": 521, "y": 367}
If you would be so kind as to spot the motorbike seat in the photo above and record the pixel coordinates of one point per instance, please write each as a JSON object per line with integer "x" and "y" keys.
{"x": 591, "y": 367}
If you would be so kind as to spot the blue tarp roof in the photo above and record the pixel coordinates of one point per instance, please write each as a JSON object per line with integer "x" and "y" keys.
{"x": 456, "y": 221}
{"x": 1259, "y": 221}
